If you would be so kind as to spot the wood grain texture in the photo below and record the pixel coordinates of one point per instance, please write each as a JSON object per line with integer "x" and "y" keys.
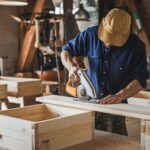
{"x": 135, "y": 111}
{"x": 3, "y": 91}
{"x": 45, "y": 127}
{"x": 19, "y": 87}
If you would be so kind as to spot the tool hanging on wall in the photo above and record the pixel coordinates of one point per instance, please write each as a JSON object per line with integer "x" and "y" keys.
{"x": 48, "y": 43}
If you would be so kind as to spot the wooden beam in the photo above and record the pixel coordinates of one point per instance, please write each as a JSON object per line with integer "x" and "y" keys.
{"x": 28, "y": 50}
{"x": 69, "y": 21}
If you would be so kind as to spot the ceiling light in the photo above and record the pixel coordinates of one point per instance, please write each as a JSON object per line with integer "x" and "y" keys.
{"x": 81, "y": 13}
{"x": 13, "y": 2}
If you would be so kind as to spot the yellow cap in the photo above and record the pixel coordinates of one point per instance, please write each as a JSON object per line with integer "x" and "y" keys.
{"x": 115, "y": 27}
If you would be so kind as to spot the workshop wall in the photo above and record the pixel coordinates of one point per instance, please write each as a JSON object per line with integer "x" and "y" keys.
{"x": 144, "y": 8}
{"x": 9, "y": 38}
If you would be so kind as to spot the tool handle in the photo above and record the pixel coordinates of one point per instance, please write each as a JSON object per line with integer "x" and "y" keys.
{"x": 70, "y": 89}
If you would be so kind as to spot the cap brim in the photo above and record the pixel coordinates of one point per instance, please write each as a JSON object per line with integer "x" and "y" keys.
{"x": 112, "y": 38}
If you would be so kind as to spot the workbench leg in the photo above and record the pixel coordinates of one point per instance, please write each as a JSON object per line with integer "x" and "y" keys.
{"x": 4, "y": 104}
{"x": 147, "y": 135}
{"x": 143, "y": 130}
{"x": 17, "y": 100}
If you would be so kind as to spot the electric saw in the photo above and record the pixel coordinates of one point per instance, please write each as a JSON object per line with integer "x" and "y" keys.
{"x": 85, "y": 90}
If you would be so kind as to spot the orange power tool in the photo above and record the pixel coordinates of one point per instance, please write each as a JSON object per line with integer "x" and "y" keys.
{"x": 85, "y": 91}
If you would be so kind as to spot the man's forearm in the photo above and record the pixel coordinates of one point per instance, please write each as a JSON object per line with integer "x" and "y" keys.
{"x": 131, "y": 89}
{"x": 66, "y": 59}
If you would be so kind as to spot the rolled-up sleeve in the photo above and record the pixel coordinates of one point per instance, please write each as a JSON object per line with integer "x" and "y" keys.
{"x": 139, "y": 65}
{"x": 77, "y": 46}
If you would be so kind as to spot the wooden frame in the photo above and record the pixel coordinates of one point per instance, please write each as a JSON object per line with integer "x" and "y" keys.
{"x": 20, "y": 87}
{"x": 44, "y": 127}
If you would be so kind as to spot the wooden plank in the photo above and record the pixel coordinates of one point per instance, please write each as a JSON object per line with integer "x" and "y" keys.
{"x": 3, "y": 91}
{"x": 134, "y": 128}
{"x": 28, "y": 50}
{"x": 17, "y": 79}
{"x": 142, "y": 98}
{"x": 30, "y": 111}
{"x": 142, "y": 94}
{"x": 54, "y": 124}
{"x": 67, "y": 131}
{"x": 8, "y": 143}
{"x": 139, "y": 101}
{"x": 143, "y": 136}
{"x": 18, "y": 125}
{"x": 135, "y": 111}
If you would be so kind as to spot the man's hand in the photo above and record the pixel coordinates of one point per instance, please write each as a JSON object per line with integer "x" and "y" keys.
{"x": 110, "y": 99}
{"x": 73, "y": 74}
{"x": 131, "y": 89}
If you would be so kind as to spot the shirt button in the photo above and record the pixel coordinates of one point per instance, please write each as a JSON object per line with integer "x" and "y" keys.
{"x": 105, "y": 62}
{"x": 103, "y": 83}
{"x": 101, "y": 94}
{"x": 121, "y": 68}
{"x": 104, "y": 72}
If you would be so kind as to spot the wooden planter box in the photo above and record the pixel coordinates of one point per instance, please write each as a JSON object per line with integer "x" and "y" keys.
{"x": 3, "y": 91}
{"x": 20, "y": 87}
{"x": 44, "y": 127}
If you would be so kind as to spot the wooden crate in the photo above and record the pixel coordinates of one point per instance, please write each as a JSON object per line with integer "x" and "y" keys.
{"x": 3, "y": 91}
{"x": 19, "y": 87}
{"x": 44, "y": 127}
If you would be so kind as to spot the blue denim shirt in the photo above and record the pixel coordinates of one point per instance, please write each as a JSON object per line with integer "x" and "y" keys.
{"x": 110, "y": 69}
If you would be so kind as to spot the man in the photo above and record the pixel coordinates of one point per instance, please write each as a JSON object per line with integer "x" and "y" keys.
{"x": 117, "y": 64}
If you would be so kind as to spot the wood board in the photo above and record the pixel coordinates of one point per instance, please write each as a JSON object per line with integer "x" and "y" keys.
{"x": 142, "y": 98}
{"x": 129, "y": 110}
{"x": 20, "y": 87}
{"x": 3, "y": 91}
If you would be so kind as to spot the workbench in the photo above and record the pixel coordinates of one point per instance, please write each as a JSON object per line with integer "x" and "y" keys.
{"x": 129, "y": 110}
{"x": 108, "y": 141}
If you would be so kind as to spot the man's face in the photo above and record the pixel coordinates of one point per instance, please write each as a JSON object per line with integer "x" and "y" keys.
{"x": 107, "y": 44}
